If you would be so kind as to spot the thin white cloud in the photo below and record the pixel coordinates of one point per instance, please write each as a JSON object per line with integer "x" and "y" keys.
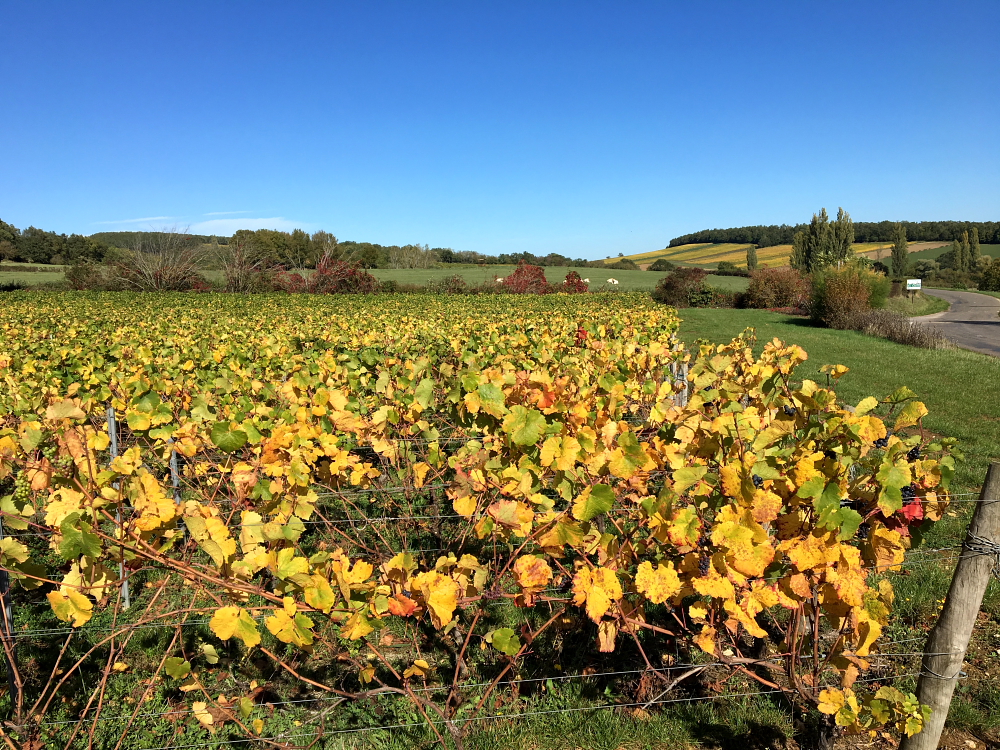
{"x": 224, "y": 213}
{"x": 138, "y": 221}
{"x": 225, "y": 227}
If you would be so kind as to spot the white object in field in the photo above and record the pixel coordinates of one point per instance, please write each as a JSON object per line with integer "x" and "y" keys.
{"x": 912, "y": 284}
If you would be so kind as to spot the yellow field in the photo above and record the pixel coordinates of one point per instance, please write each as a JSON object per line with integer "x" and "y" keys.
{"x": 707, "y": 253}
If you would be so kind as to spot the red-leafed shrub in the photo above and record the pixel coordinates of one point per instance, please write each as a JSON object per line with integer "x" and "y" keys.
{"x": 527, "y": 279}
{"x": 331, "y": 277}
{"x": 770, "y": 288}
{"x": 574, "y": 284}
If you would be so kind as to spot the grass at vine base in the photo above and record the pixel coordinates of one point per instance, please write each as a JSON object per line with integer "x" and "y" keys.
{"x": 960, "y": 391}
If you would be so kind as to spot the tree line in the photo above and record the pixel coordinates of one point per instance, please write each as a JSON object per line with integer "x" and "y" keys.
{"x": 864, "y": 231}
{"x": 295, "y": 249}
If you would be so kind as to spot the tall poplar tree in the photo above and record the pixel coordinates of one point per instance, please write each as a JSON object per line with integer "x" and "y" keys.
{"x": 900, "y": 254}
{"x": 752, "y": 258}
{"x": 813, "y": 248}
{"x": 842, "y": 248}
{"x": 975, "y": 252}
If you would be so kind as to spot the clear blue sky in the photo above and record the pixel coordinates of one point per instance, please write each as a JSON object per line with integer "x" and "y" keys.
{"x": 582, "y": 128}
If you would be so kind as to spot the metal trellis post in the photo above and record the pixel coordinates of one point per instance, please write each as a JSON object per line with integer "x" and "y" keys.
{"x": 113, "y": 434}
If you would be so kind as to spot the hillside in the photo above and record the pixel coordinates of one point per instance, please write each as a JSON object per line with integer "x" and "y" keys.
{"x": 710, "y": 254}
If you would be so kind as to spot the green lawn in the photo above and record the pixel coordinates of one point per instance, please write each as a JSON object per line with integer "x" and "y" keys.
{"x": 21, "y": 277}
{"x": 627, "y": 280}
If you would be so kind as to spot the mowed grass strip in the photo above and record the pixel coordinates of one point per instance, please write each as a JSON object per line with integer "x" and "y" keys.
{"x": 958, "y": 387}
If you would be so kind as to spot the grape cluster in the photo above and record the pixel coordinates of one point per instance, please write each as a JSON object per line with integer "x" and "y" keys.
{"x": 789, "y": 410}
{"x": 863, "y": 531}
{"x": 882, "y": 442}
{"x": 22, "y": 488}
{"x": 703, "y": 565}
{"x": 913, "y": 454}
{"x": 909, "y": 493}
{"x": 758, "y": 482}
{"x": 704, "y": 540}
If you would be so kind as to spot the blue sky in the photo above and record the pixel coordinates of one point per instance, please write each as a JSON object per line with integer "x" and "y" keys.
{"x": 582, "y": 128}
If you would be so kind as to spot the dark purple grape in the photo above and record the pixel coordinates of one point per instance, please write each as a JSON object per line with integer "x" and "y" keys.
{"x": 758, "y": 481}
{"x": 703, "y": 565}
{"x": 863, "y": 531}
{"x": 882, "y": 442}
{"x": 789, "y": 410}
{"x": 913, "y": 454}
{"x": 704, "y": 540}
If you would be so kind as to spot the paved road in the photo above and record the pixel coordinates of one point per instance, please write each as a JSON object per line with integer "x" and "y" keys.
{"x": 972, "y": 322}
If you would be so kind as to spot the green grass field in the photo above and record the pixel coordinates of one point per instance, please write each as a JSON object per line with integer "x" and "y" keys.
{"x": 933, "y": 254}
{"x": 631, "y": 281}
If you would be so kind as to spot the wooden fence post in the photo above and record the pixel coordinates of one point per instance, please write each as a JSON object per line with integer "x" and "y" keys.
{"x": 949, "y": 638}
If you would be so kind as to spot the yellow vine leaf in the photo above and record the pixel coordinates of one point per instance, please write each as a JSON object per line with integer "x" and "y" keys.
{"x": 71, "y": 606}
{"x": 154, "y": 509}
{"x": 440, "y": 594}
{"x": 910, "y": 415}
{"x": 659, "y": 584}
{"x": 597, "y": 588}
{"x": 235, "y": 621}
{"x": 714, "y": 585}
{"x": 532, "y": 572}
{"x": 705, "y": 640}
{"x": 203, "y": 715}
{"x": 886, "y": 548}
{"x": 831, "y": 701}
{"x": 513, "y": 515}
{"x": 288, "y": 626}
{"x": 356, "y": 627}
{"x": 607, "y": 631}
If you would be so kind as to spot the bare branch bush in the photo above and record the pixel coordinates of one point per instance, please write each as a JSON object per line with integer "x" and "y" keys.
{"x": 166, "y": 260}
{"x": 247, "y": 268}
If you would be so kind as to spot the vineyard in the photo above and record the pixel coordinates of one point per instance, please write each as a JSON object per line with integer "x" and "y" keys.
{"x": 291, "y": 521}
{"x": 710, "y": 254}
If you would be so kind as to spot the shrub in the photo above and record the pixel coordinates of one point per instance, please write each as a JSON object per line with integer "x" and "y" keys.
{"x": 952, "y": 279}
{"x": 728, "y": 268}
{"x": 682, "y": 287}
{"x": 776, "y": 287}
{"x": 157, "y": 262}
{"x": 454, "y": 284}
{"x": 840, "y": 296}
{"x": 81, "y": 276}
{"x": 574, "y": 284}
{"x": 899, "y": 328}
{"x": 623, "y": 264}
{"x": 527, "y": 279}
{"x": 990, "y": 281}
{"x": 662, "y": 264}
{"x": 12, "y": 286}
{"x": 246, "y": 267}
{"x": 331, "y": 277}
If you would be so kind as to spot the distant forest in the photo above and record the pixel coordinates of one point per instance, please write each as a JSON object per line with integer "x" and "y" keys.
{"x": 864, "y": 231}
{"x": 295, "y": 249}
